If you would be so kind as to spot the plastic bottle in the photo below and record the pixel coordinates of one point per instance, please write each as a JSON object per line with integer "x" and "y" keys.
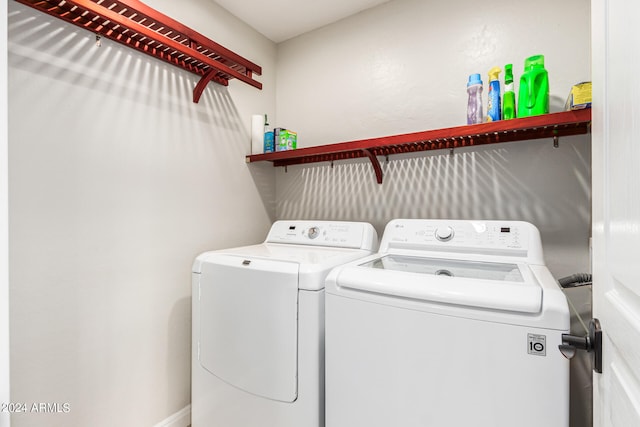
{"x": 533, "y": 96}
{"x": 494, "y": 112}
{"x": 269, "y": 142}
{"x": 509, "y": 98}
{"x": 474, "y": 105}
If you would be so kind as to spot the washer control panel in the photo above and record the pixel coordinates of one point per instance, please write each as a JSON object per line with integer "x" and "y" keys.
{"x": 511, "y": 238}
{"x": 341, "y": 234}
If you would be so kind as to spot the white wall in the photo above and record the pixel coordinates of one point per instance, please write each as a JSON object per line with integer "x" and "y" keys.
{"x": 117, "y": 181}
{"x": 403, "y": 67}
{"x": 4, "y": 226}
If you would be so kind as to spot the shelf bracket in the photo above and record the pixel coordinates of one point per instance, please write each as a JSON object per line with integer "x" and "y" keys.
{"x": 375, "y": 163}
{"x": 204, "y": 80}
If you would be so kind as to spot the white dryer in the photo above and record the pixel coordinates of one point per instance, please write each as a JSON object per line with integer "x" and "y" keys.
{"x": 258, "y": 325}
{"x": 451, "y": 324}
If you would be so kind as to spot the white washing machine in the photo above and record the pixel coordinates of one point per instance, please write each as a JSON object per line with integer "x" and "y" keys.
{"x": 451, "y": 324}
{"x": 258, "y": 325}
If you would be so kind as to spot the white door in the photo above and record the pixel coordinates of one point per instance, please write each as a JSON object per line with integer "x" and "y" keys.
{"x": 616, "y": 208}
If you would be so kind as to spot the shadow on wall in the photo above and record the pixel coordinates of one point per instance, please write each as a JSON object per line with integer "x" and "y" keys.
{"x": 262, "y": 175}
{"x": 72, "y": 55}
{"x": 123, "y": 103}
{"x": 528, "y": 181}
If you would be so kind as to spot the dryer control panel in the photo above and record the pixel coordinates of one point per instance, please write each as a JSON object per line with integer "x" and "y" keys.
{"x": 336, "y": 234}
{"x": 506, "y": 238}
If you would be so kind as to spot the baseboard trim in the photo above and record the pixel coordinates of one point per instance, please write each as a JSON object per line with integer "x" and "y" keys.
{"x": 182, "y": 418}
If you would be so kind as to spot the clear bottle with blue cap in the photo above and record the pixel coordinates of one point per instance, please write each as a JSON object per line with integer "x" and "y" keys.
{"x": 474, "y": 105}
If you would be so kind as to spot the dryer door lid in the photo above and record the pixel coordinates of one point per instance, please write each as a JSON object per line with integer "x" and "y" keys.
{"x": 248, "y": 324}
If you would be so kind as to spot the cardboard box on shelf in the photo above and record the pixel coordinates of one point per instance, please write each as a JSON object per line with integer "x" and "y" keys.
{"x": 579, "y": 97}
{"x": 285, "y": 139}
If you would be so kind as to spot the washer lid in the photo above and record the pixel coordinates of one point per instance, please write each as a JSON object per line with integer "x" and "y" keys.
{"x": 488, "y": 285}
{"x": 449, "y": 267}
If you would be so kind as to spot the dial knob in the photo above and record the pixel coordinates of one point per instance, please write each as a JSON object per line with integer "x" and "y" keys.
{"x": 444, "y": 234}
{"x": 313, "y": 232}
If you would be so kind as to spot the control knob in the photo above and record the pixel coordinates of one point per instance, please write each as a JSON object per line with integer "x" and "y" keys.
{"x": 444, "y": 234}
{"x": 313, "y": 232}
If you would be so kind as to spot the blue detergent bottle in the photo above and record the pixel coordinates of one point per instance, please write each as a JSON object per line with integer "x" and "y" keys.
{"x": 269, "y": 141}
{"x": 494, "y": 111}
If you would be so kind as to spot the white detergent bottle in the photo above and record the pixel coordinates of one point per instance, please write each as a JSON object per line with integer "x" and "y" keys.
{"x": 474, "y": 105}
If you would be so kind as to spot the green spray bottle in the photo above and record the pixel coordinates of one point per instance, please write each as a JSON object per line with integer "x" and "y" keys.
{"x": 509, "y": 97}
{"x": 533, "y": 98}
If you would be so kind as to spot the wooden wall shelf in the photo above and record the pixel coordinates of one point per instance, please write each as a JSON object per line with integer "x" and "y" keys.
{"x": 552, "y": 125}
{"x": 140, "y": 27}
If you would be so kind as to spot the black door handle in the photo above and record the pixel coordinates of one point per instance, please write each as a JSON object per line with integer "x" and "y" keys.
{"x": 592, "y": 343}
